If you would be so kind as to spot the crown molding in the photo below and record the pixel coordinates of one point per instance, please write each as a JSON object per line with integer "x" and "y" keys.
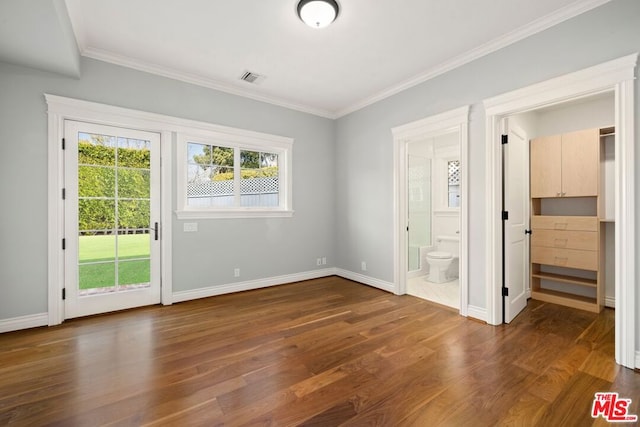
{"x": 124, "y": 61}
{"x": 512, "y": 37}
{"x": 561, "y": 15}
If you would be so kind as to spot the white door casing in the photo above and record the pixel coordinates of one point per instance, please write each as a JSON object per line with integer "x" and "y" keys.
{"x": 516, "y": 196}
{"x": 59, "y": 110}
{"x": 439, "y": 124}
{"x": 615, "y": 76}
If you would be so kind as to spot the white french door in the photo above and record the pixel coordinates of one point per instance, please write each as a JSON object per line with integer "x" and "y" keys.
{"x": 112, "y": 211}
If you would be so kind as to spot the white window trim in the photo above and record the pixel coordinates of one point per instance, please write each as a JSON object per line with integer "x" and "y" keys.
{"x": 236, "y": 138}
{"x": 60, "y": 109}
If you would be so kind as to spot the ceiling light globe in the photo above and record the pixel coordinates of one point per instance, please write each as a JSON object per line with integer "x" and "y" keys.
{"x": 318, "y": 13}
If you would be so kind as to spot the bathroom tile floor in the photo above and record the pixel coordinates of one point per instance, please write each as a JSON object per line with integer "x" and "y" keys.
{"x": 442, "y": 293}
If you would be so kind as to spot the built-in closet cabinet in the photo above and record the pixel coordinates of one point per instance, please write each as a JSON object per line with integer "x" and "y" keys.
{"x": 567, "y": 244}
{"x": 565, "y": 165}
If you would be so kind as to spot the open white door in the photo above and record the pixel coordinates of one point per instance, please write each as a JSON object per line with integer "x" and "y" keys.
{"x": 516, "y": 203}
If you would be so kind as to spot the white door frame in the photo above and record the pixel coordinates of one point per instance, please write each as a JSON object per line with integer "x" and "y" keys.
{"x": 61, "y": 109}
{"x": 447, "y": 122}
{"x": 615, "y": 76}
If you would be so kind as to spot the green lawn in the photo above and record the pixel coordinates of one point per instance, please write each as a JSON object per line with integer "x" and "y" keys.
{"x": 101, "y": 249}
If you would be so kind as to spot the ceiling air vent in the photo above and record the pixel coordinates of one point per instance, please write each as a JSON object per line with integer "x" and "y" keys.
{"x": 250, "y": 77}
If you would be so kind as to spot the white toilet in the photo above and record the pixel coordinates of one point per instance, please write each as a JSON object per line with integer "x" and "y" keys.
{"x": 447, "y": 249}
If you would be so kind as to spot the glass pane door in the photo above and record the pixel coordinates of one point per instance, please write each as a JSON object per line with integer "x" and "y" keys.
{"x": 110, "y": 212}
{"x": 114, "y": 225}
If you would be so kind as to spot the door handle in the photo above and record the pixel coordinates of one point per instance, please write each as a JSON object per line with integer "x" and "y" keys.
{"x": 156, "y": 231}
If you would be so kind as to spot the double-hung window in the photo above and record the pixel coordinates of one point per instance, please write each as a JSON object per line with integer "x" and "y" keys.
{"x": 233, "y": 174}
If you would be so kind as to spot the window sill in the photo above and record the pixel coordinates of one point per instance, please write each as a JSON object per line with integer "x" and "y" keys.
{"x": 233, "y": 213}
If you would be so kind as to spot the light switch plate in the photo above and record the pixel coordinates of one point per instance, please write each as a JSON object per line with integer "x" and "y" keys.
{"x": 190, "y": 226}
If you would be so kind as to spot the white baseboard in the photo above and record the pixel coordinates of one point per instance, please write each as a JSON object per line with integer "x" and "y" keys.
{"x": 477, "y": 312}
{"x": 42, "y": 319}
{"x": 249, "y": 285}
{"x": 610, "y": 302}
{"x": 24, "y": 322}
{"x": 280, "y": 280}
{"x": 361, "y": 278}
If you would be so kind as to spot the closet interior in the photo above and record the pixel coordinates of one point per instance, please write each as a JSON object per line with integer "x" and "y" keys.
{"x": 568, "y": 214}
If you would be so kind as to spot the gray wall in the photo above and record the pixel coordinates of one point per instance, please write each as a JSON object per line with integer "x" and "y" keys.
{"x": 260, "y": 247}
{"x": 364, "y": 150}
{"x": 342, "y": 169}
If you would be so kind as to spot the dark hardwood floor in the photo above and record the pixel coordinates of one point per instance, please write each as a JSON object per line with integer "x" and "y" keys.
{"x": 325, "y": 352}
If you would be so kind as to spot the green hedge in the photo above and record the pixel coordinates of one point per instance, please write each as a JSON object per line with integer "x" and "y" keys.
{"x": 92, "y": 154}
{"x": 97, "y": 178}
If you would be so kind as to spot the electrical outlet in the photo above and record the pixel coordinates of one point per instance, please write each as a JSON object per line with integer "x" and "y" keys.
{"x": 236, "y": 272}
{"x": 324, "y": 260}
{"x": 318, "y": 261}
{"x": 363, "y": 266}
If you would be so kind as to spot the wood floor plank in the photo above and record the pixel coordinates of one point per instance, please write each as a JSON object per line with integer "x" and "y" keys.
{"x": 553, "y": 380}
{"x": 527, "y": 411}
{"x": 312, "y": 404}
{"x": 333, "y": 416}
{"x": 322, "y": 352}
{"x": 601, "y": 364}
{"x": 574, "y": 407}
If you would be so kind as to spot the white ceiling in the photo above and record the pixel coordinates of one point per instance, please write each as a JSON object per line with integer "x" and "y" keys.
{"x": 374, "y": 49}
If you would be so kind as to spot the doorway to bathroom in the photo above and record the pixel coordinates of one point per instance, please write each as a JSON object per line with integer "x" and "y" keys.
{"x": 430, "y": 159}
{"x": 433, "y": 205}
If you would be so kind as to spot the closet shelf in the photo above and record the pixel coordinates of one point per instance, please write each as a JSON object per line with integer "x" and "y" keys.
{"x": 591, "y": 283}
{"x": 566, "y": 299}
{"x": 608, "y": 131}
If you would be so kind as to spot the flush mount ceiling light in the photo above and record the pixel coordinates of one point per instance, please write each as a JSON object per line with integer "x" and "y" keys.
{"x": 318, "y": 13}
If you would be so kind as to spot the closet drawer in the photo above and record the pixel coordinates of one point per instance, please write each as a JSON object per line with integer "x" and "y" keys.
{"x": 569, "y": 223}
{"x": 572, "y": 258}
{"x": 584, "y": 240}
